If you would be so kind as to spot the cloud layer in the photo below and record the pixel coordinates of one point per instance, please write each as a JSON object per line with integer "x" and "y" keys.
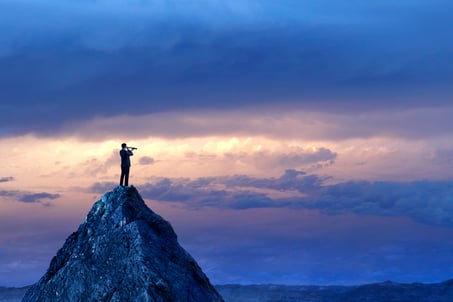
{"x": 156, "y": 56}
{"x": 428, "y": 202}
{"x": 282, "y": 123}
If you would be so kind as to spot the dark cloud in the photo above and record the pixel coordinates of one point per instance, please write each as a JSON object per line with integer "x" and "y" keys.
{"x": 238, "y": 192}
{"x": 127, "y": 61}
{"x": 428, "y": 202}
{"x": 6, "y": 179}
{"x": 29, "y": 197}
{"x": 37, "y": 197}
{"x": 425, "y": 201}
{"x": 146, "y": 160}
{"x": 282, "y": 123}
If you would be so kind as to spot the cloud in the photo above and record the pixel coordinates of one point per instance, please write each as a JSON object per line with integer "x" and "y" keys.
{"x": 293, "y": 157}
{"x": 258, "y": 156}
{"x": 158, "y": 57}
{"x": 95, "y": 166}
{"x": 289, "y": 123}
{"x": 37, "y": 197}
{"x": 6, "y": 179}
{"x": 28, "y": 197}
{"x": 102, "y": 187}
{"x": 428, "y": 202}
{"x": 441, "y": 156}
{"x": 425, "y": 201}
{"x": 146, "y": 160}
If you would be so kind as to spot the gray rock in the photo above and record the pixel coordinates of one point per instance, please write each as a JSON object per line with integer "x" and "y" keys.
{"x": 123, "y": 251}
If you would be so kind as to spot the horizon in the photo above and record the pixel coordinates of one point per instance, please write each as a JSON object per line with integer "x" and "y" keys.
{"x": 299, "y": 142}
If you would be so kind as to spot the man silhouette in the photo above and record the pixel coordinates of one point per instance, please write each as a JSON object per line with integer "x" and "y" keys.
{"x": 125, "y": 153}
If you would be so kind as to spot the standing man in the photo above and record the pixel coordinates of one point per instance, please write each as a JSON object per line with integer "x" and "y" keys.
{"x": 125, "y": 153}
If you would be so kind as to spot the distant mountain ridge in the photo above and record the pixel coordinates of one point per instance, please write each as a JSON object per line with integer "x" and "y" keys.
{"x": 123, "y": 251}
{"x": 377, "y": 292}
{"x": 12, "y": 294}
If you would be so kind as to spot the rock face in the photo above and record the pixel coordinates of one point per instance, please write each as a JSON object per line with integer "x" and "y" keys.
{"x": 123, "y": 251}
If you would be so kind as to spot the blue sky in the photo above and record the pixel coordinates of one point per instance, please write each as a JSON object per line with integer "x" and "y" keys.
{"x": 313, "y": 137}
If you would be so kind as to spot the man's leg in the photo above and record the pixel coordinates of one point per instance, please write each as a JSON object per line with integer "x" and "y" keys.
{"x": 123, "y": 173}
{"x": 126, "y": 176}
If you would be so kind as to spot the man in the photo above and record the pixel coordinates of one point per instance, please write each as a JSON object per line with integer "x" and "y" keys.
{"x": 125, "y": 153}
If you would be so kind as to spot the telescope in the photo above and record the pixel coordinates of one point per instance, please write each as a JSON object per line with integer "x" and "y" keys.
{"x": 132, "y": 148}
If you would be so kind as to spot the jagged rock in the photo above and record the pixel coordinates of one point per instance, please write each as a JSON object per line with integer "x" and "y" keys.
{"x": 123, "y": 251}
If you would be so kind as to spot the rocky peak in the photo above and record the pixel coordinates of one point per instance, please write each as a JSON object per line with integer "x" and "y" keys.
{"x": 123, "y": 251}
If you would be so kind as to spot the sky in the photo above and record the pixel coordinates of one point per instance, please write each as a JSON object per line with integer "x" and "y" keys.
{"x": 287, "y": 142}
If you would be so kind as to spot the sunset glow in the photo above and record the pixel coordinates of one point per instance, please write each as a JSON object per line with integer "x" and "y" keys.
{"x": 291, "y": 142}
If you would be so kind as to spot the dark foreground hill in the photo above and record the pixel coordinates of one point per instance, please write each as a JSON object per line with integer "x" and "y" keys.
{"x": 123, "y": 251}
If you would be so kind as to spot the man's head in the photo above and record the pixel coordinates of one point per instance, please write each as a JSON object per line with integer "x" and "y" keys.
{"x": 123, "y": 145}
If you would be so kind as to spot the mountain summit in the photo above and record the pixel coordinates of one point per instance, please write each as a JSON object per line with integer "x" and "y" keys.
{"x": 123, "y": 251}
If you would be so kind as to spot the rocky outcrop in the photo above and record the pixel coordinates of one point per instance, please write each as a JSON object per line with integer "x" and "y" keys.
{"x": 123, "y": 251}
